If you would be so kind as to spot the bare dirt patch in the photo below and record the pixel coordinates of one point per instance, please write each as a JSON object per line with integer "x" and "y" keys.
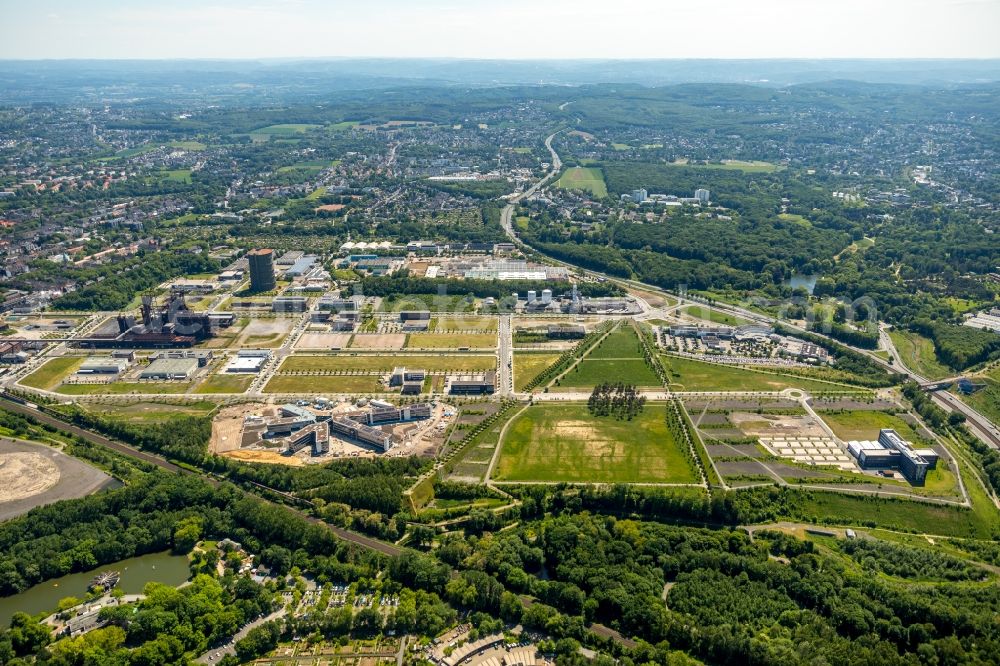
{"x": 227, "y": 426}
{"x": 773, "y": 424}
{"x": 266, "y": 457}
{"x": 32, "y": 475}
{"x": 323, "y": 340}
{"x": 23, "y": 474}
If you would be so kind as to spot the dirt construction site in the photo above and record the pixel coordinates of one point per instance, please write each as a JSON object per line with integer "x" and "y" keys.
{"x": 231, "y": 438}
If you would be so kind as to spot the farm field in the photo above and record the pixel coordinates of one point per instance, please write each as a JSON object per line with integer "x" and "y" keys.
{"x": 865, "y": 424}
{"x": 691, "y": 375}
{"x": 385, "y": 363}
{"x": 226, "y": 383}
{"x": 451, "y": 341}
{"x": 324, "y": 384}
{"x": 527, "y": 365}
{"x": 918, "y": 355}
{"x": 589, "y": 373}
{"x": 714, "y": 316}
{"x": 589, "y": 179}
{"x": 564, "y": 443}
{"x": 53, "y": 372}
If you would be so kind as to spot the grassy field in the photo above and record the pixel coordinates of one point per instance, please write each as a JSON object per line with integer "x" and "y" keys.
{"x": 152, "y": 412}
{"x": 865, "y": 424}
{"x": 620, "y": 343}
{"x": 178, "y": 175}
{"x": 714, "y": 316}
{"x": 432, "y": 302}
{"x": 584, "y": 178}
{"x": 118, "y": 388}
{"x": 386, "y": 362}
{"x": 754, "y": 166}
{"x": 284, "y": 129}
{"x": 324, "y": 384}
{"x": 527, "y": 365}
{"x": 225, "y": 383}
{"x": 451, "y": 341}
{"x": 918, "y": 355}
{"x": 564, "y": 443}
{"x": 188, "y": 145}
{"x": 690, "y": 375}
{"x": 590, "y": 373}
{"x": 469, "y": 323}
{"x": 52, "y": 372}
{"x": 797, "y": 219}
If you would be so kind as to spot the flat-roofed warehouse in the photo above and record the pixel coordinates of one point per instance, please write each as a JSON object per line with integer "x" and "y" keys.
{"x": 170, "y": 368}
{"x": 102, "y": 365}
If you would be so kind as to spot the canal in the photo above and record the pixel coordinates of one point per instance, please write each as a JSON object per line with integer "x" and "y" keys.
{"x": 136, "y": 572}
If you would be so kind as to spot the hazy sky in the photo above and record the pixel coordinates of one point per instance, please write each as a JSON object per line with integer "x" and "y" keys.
{"x": 500, "y": 28}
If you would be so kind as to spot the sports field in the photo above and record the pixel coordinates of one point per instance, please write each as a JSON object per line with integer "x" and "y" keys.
{"x": 590, "y": 179}
{"x": 564, "y": 443}
{"x": 386, "y": 362}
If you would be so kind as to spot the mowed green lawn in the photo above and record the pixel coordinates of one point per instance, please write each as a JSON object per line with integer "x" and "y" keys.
{"x": 590, "y": 179}
{"x": 691, "y": 375}
{"x": 865, "y": 424}
{"x": 620, "y": 343}
{"x": 588, "y": 373}
{"x": 52, "y": 372}
{"x": 564, "y": 443}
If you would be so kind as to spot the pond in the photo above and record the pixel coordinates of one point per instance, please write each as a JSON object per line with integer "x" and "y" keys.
{"x": 136, "y": 572}
{"x": 798, "y": 280}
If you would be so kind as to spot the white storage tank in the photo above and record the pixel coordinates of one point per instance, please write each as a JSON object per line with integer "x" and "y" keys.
{"x": 531, "y": 296}
{"x": 546, "y": 296}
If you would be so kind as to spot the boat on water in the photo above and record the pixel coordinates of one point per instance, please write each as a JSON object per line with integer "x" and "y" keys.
{"x": 105, "y": 580}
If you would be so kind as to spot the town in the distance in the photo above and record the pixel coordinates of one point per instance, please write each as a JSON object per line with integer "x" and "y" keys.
{"x": 497, "y": 375}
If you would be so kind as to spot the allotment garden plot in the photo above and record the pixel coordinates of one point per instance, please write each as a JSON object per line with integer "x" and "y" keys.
{"x": 551, "y": 442}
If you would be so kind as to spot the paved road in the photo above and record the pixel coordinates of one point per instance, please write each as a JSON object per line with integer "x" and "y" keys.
{"x": 505, "y": 358}
{"x": 217, "y": 653}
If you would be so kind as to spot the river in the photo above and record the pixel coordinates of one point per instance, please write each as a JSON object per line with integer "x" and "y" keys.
{"x": 136, "y": 572}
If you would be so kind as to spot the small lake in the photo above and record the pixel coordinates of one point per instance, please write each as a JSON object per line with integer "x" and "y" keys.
{"x": 136, "y": 572}
{"x": 797, "y": 280}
